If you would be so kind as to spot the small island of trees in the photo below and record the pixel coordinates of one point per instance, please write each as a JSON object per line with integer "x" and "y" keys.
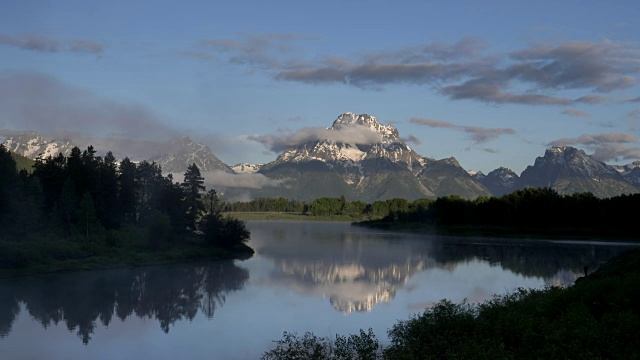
{"x": 86, "y": 211}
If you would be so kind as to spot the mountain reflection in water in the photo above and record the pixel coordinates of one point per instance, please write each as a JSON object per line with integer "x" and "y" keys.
{"x": 80, "y": 300}
{"x": 305, "y": 276}
{"x": 362, "y": 267}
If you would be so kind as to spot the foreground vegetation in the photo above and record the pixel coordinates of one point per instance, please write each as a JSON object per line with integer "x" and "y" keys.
{"x": 597, "y": 318}
{"x": 86, "y": 211}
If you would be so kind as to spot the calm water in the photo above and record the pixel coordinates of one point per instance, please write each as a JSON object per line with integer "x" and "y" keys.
{"x": 323, "y": 277}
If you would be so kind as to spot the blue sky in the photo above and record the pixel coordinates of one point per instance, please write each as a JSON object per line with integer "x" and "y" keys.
{"x": 492, "y": 83}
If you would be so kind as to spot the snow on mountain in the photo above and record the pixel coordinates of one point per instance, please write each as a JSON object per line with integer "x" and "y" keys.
{"x": 568, "y": 170}
{"x": 626, "y": 169}
{"x": 31, "y": 145}
{"x": 244, "y": 168}
{"x": 385, "y": 144}
{"x": 182, "y": 152}
{"x": 500, "y": 181}
{"x": 475, "y": 174}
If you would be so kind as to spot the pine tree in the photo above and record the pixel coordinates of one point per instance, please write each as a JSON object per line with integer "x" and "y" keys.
{"x": 193, "y": 185}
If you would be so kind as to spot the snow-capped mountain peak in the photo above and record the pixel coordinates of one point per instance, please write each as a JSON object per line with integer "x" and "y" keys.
{"x": 389, "y": 132}
{"x": 244, "y": 168}
{"x": 31, "y": 144}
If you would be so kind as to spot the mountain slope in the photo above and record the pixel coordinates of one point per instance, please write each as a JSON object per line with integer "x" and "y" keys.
{"x": 183, "y": 151}
{"x": 500, "y": 181}
{"x": 447, "y": 177}
{"x": 569, "y": 170}
{"x": 367, "y": 161}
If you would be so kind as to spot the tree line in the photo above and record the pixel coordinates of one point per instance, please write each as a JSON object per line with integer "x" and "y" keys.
{"x": 328, "y": 206}
{"x": 89, "y": 198}
{"x": 533, "y": 208}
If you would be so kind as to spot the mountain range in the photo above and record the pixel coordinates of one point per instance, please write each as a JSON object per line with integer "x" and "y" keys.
{"x": 360, "y": 158}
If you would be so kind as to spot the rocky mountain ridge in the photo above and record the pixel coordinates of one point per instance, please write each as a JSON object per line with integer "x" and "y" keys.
{"x": 360, "y": 158}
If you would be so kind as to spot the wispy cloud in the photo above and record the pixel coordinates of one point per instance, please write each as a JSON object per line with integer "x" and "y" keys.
{"x": 478, "y": 134}
{"x": 47, "y": 44}
{"x": 605, "y": 147}
{"x": 463, "y": 70}
{"x": 635, "y": 114}
{"x": 33, "y": 101}
{"x": 597, "y": 139}
{"x": 632, "y": 100}
{"x": 297, "y": 119}
{"x": 200, "y": 55}
{"x": 591, "y": 99}
{"x": 412, "y": 139}
{"x": 576, "y": 112}
{"x": 354, "y": 134}
{"x": 247, "y": 181}
{"x": 264, "y": 51}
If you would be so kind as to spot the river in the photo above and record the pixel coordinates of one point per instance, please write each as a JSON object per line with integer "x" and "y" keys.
{"x": 325, "y": 277}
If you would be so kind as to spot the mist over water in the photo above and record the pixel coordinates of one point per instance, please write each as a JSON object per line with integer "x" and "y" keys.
{"x": 329, "y": 278}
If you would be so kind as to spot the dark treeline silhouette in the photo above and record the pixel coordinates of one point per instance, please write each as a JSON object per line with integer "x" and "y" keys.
{"x": 84, "y": 299}
{"x": 537, "y": 209}
{"x": 95, "y": 200}
{"x": 279, "y": 204}
{"x": 328, "y": 206}
{"x": 531, "y": 208}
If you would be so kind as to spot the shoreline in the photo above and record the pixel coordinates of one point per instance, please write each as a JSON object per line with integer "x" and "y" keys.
{"x": 560, "y": 234}
{"x": 177, "y": 255}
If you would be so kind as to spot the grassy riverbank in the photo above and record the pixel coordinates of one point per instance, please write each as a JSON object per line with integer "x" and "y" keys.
{"x": 597, "y": 318}
{"x": 292, "y": 216}
{"x": 121, "y": 249}
{"x": 501, "y": 231}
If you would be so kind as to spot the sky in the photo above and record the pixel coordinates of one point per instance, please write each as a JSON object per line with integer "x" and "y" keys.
{"x": 492, "y": 83}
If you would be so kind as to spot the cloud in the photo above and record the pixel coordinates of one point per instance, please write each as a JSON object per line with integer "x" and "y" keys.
{"x": 433, "y": 123}
{"x": 200, "y": 55}
{"x": 264, "y": 51}
{"x": 591, "y": 99}
{"x": 607, "y": 152}
{"x": 33, "y": 101}
{"x": 463, "y": 70}
{"x": 632, "y": 100}
{"x": 605, "y": 147}
{"x": 353, "y": 134}
{"x": 586, "y": 139}
{"x": 297, "y": 119}
{"x": 47, "y": 44}
{"x": 478, "y": 134}
{"x": 491, "y": 93}
{"x": 412, "y": 139}
{"x": 575, "y": 112}
{"x": 602, "y": 66}
{"x": 635, "y": 114}
{"x": 247, "y": 181}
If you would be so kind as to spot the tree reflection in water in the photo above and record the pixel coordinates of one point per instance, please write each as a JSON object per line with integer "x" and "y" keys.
{"x": 80, "y": 300}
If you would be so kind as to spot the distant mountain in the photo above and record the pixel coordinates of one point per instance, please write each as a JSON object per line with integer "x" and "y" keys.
{"x": 183, "y": 151}
{"x": 246, "y": 168}
{"x": 569, "y": 170}
{"x": 630, "y": 172}
{"x": 447, "y": 177}
{"x": 360, "y": 158}
{"x": 383, "y": 167}
{"x": 500, "y": 181}
{"x": 31, "y": 145}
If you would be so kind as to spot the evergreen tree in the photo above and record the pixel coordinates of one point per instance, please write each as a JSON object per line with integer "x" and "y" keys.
{"x": 193, "y": 185}
{"x": 127, "y": 191}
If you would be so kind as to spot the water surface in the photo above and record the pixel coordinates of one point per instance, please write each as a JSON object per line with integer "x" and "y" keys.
{"x": 305, "y": 276}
